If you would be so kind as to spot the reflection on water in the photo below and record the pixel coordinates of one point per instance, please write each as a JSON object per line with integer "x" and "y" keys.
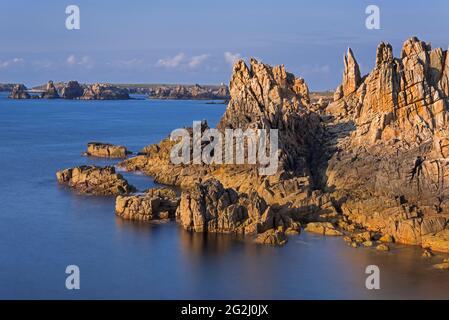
{"x": 46, "y": 227}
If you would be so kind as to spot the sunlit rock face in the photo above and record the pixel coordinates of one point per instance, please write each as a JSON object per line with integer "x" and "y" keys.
{"x": 392, "y": 168}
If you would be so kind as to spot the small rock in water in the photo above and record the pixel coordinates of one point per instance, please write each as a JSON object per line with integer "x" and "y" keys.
{"x": 427, "y": 254}
{"x": 383, "y": 247}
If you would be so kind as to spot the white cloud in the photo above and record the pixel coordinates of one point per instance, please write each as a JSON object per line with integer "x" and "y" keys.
{"x": 71, "y": 59}
{"x": 196, "y": 61}
{"x": 231, "y": 58}
{"x": 182, "y": 61}
{"x": 171, "y": 62}
{"x": 84, "y": 61}
{"x": 12, "y": 62}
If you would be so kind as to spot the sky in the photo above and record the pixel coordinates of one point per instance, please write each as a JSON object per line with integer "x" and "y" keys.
{"x": 197, "y": 41}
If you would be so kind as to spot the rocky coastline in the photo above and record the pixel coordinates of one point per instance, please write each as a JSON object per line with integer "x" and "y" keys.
{"x": 368, "y": 164}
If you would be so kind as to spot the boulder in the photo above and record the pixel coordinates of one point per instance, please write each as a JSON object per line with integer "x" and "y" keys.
{"x": 383, "y": 247}
{"x": 154, "y": 204}
{"x": 323, "y": 228}
{"x": 106, "y": 150}
{"x": 95, "y": 180}
{"x": 272, "y": 237}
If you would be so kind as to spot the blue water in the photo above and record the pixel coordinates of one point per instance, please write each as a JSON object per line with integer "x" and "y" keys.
{"x": 45, "y": 227}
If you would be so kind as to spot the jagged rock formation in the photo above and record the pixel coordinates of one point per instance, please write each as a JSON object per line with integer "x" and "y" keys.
{"x": 186, "y": 92}
{"x": 154, "y": 205}
{"x": 102, "y": 91}
{"x": 351, "y": 77}
{"x": 19, "y": 92}
{"x": 95, "y": 180}
{"x": 106, "y": 150}
{"x": 72, "y": 90}
{"x": 209, "y": 207}
{"x": 50, "y": 91}
{"x": 391, "y": 171}
{"x": 261, "y": 97}
{"x": 371, "y": 165}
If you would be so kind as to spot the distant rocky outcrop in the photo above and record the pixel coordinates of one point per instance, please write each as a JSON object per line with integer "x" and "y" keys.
{"x": 102, "y": 91}
{"x": 189, "y": 92}
{"x": 7, "y": 87}
{"x": 72, "y": 90}
{"x": 106, "y": 150}
{"x": 19, "y": 92}
{"x": 95, "y": 180}
{"x": 50, "y": 91}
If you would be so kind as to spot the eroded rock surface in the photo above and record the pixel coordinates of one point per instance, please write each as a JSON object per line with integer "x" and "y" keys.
{"x": 95, "y": 180}
{"x": 155, "y": 204}
{"x": 209, "y": 207}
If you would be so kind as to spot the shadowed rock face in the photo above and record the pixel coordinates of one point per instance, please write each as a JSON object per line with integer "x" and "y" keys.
{"x": 19, "y": 92}
{"x": 95, "y": 180}
{"x": 102, "y": 91}
{"x": 392, "y": 171}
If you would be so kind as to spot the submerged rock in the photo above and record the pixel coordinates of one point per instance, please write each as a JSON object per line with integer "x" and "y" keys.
{"x": 154, "y": 204}
{"x": 95, "y": 180}
{"x": 106, "y": 150}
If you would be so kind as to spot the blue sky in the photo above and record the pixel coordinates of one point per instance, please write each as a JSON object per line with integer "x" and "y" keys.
{"x": 195, "y": 41}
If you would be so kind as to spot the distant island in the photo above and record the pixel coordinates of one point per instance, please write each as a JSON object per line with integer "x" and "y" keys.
{"x": 105, "y": 91}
